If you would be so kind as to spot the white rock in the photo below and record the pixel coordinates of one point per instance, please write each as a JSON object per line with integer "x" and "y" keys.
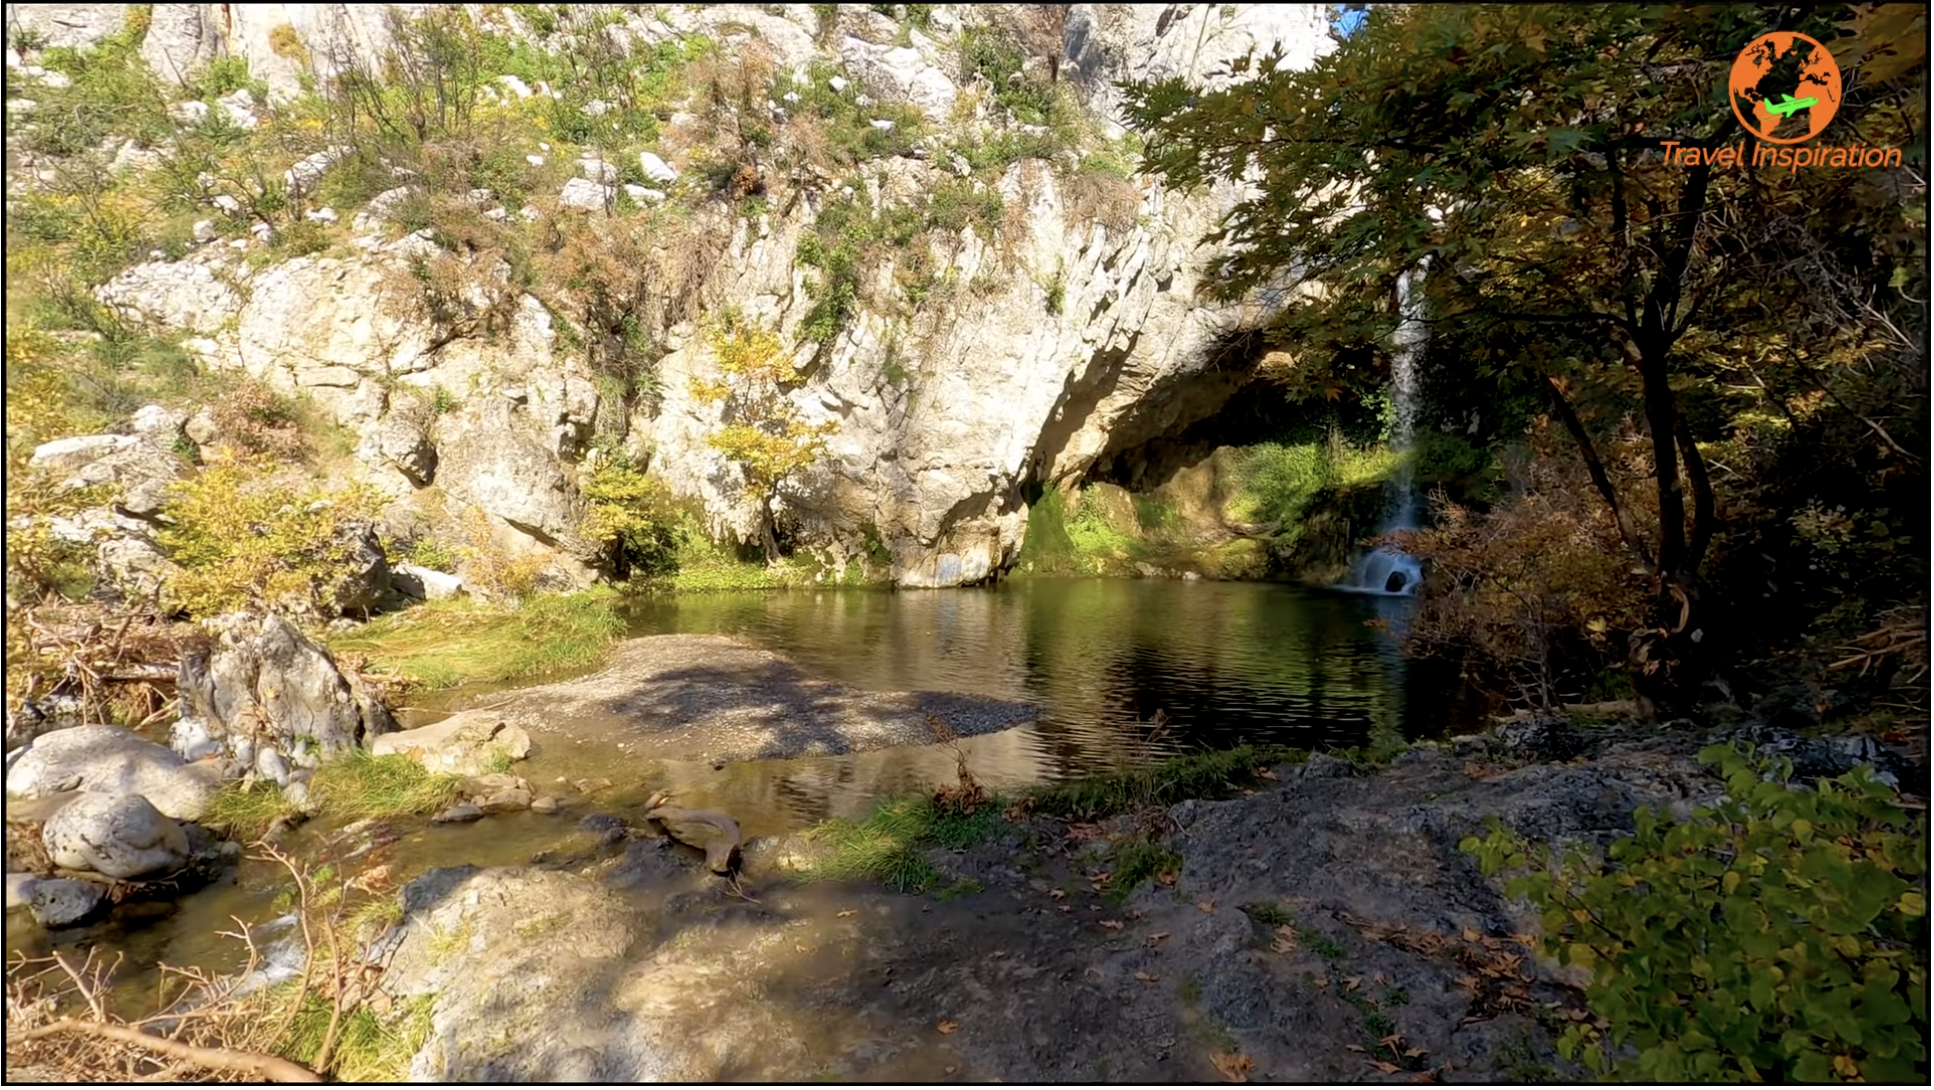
{"x": 529, "y": 214}
{"x": 425, "y": 583}
{"x": 205, "y": 231}
{"x": 882, "y": 124}
{"x": 656, "y": 169}
{"x": 534, "y": 160}
{"x": 226, "y": 203}
{"x": 192, "y": 112}
{"x": 238, "y": 244}
{"x": 515, "y": 86}
{"x": 72, "y": 453}
{"x": 597, "y": 107}
{"x": 20, "y": 105}
{"x": 598, "y": 170}
{"x": 112, "y": 760}
{"x": 584, "y": 195}
{"x": 321, "y": 215}
{"x": 465, "y": 744}
{"x": 838, "y": 83}
{"x": 56, "y": 81}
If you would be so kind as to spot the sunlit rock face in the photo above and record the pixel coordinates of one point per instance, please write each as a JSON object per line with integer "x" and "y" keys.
{"x": 1067, "y": 335}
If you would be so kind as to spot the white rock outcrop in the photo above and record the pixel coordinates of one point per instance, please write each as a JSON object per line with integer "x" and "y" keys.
{"x": 112, "y": 761}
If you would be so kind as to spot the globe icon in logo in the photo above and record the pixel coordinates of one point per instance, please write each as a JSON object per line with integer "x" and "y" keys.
{"x": 1785, "y": 87}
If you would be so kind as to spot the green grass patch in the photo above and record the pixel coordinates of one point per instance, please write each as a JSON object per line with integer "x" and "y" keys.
{"x": 1268, "y": 913}
{"x": 1192, "y": 776}
{"x": 1137, "y": 861}
{"x": 886, "y": 845}
{"x": 368, "y": 1048}
{"x": 359, "y": 784}
{"x": 246, "y": 813}
{"x": 442, "y": 644}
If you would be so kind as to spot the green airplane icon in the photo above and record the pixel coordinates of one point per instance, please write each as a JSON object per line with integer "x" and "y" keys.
{"x": 1786, "y": 108}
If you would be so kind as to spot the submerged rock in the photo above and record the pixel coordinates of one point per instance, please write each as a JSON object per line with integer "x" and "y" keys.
{"x": 465, "y": 744}
{"x": 64, "y": 902}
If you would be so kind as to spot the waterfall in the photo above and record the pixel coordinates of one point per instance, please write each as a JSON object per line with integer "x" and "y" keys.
{"x": 1385, "y": 570}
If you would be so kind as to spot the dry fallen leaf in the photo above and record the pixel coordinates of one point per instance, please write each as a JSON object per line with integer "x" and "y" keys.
{"x": 1157, "y": 937}
{"x": 1266, "y": 774}
{"x": 1356, "y": 1048}
{"x": 1285, "y": 940}
{"x": 1206, "y": 906}
{"x": 1352, "y": 983}
{"x": 1167, "y": 878}
{"x": 1147, "y": 978}
{"x": 1058, "y": 894}
{"x": 1112, "y": 925}
{"x": 1234, "y": 1065}
{"x": 947, "y": 1027}
{"x": 845, "y": 912}
{"x": 1066, "y": 908}
{"x": 1321, "y": 981}
{"x": 1391, "y": 1042}
{"x": 1384, "y": 1066}
{"x": 1471, "y": 935}
{"x": 1415, "y": 1053}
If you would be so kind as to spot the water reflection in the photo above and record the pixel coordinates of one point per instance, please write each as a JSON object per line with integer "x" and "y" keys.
{"x": 1221, "y": 663}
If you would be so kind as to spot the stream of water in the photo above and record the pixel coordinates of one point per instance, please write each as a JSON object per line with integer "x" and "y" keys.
{"x": 1215, "y": 663}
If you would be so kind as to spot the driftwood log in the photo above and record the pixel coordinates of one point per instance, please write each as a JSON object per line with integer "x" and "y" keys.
{"x": 708, "y": 830}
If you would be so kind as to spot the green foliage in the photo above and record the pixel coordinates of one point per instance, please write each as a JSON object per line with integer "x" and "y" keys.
{"x": 243, "y": 537}
{"x": 993, "y": 54}
{"x": 221, "y": 76}
{"x": 441, "y": 644}
{"x": 1560, "y": 242}
{"x": 358, "y": 784}
{"x": 886, "y": 845}
{"x": 1268, "y": 913}
{"x": 841, "y": 129}
{"x": 1137, "y": 861}
{"x": 112, "y": 92}
{"x": 630, "y": 515}
{"x": 765, "y": 434}
{"x": 1777, "y": 936}
{"x": 245, "y": 813}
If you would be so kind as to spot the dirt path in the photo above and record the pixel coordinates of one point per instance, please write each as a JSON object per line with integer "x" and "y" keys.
{"x": 1323, "y": 929}
{"x": 685, "y": 697}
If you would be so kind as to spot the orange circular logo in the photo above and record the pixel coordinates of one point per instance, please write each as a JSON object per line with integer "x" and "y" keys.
{"x": 1785, "y": 87}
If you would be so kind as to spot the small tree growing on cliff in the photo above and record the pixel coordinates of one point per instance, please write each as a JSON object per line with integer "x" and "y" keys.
{"x": 762, "y": 430}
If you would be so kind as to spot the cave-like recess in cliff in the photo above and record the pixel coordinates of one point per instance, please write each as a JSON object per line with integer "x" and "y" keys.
{"x": 1184, "y": 419}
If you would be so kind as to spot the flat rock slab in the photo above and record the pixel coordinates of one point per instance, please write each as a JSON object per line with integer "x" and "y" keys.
{"x": 713, "y": 697}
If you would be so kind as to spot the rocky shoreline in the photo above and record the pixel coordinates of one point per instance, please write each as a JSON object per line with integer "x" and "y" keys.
{"x": 1324, "y": 928}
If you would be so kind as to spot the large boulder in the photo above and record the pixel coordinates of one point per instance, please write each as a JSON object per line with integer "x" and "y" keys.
{"x": 110, "y": 760}
{"x": 121, "y": 836}
{"x": 186, "y": 296}
{"x": 265, "y": 688}
{"x": 465, "y": 744}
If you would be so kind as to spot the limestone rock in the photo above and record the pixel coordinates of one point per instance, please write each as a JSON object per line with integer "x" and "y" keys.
{"x": 80, "y": 451}
{"x": 506, "y": 801}
{"x": 181, "y": 40}
{"x": 544, "y": 804}
{"x": 186, "y": 296}
{"x": 112, "y": 761}
{"x": 402, "y": 441}
{"x": 584, "y": 195}
{"x": 121, "y": 836}
{"x": 267, "y": 664}
{"x": 656, "y": 169}
{"x": 64, "y": 902}
{"x": 424, "y": 584}
{"x": 463, "y": 745}
{"x": 69, "y": 25}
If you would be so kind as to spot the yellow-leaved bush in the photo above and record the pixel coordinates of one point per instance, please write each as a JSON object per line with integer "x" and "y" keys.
{"x": 245, "y": 538}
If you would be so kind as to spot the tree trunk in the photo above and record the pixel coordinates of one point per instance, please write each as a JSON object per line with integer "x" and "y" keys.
{"x": 768, "y": 536}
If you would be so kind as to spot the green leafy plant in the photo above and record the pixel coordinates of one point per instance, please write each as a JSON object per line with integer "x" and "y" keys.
{"x": 1779, "y": 935}
{"x": 629, "y": 514}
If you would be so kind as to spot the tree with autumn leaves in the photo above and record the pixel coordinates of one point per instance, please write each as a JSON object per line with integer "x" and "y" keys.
{"x": 1514, "y": 152}
{"x": 762, "y": 431}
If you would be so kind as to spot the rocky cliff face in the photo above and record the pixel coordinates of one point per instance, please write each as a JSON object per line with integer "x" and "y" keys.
{"x": 1068, "y": 334}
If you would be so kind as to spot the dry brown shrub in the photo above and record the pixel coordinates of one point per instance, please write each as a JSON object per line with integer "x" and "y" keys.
{"x": 1538, "y": 593}
{"x": 1095, "y": 197}
{"x": 259, "y": 420}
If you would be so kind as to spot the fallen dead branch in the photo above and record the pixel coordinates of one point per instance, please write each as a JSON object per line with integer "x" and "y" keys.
{"x": 252, "y": 1065}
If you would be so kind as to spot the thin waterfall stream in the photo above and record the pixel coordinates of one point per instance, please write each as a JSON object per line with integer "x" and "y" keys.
{"x": 1384, "y": 569}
